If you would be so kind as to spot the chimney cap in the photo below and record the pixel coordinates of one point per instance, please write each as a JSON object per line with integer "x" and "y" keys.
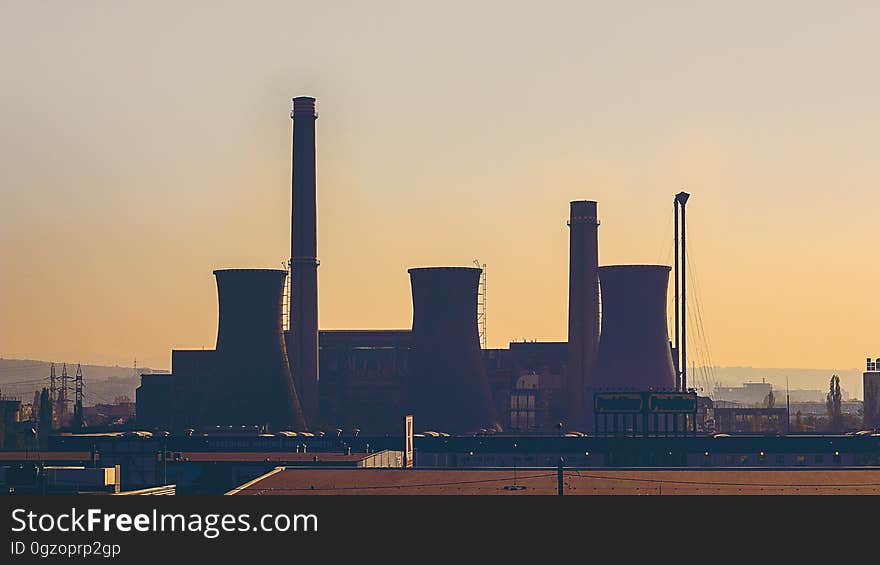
{"x": 583, "y": 205}
{"x": 635, "y": 267}
{"x": 274, "y": 271}
{"x": 303, "y": 106}
{"x": 436, "y": 269}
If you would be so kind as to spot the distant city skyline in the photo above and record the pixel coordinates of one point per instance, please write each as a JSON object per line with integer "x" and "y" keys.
{"x": 132, "y": 130}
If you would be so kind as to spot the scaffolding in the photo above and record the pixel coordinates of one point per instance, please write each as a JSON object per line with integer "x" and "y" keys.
{"x": 285, "y": 297}
{"x": 481, "y": 305}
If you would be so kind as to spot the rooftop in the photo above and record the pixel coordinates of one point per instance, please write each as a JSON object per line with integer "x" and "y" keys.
{"x": 283, "y": 481}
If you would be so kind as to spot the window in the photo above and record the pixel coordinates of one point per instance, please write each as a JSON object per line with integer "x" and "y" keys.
{"x": 820, "y": 459}
{"x": 780, "y": 459}
{"x": 800, "y": 459}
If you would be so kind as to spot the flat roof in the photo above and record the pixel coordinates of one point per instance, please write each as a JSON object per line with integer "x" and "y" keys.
{"x": 272, "y": 456}
{"x": 36, "y": 457}
{"x": 283, "y": 481}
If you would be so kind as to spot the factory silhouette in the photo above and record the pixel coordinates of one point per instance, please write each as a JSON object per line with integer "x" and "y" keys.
{"x": 262, "y": 375}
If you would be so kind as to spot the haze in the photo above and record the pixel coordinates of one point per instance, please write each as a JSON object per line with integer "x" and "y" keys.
{"x": 146, "y": 144}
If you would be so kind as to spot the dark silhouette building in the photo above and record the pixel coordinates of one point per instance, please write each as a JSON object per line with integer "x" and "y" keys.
{"x": 448, "y": 388}
{"x": 245, "y": 381}
{"x": 363, "y": 379}
{"x": 634, "y": 350}
{"x": 871, "y": 394}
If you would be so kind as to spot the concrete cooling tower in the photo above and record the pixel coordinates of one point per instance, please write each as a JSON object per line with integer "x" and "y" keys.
{"x": 634, "y": 351}
{"x": 256, "y": 386}
{"x": 448, "y": 388}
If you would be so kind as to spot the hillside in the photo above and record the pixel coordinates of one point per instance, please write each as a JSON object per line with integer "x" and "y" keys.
{"x": 101, "y": 384}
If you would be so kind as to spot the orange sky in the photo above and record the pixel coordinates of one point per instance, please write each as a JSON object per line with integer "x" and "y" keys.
{"x": 145, "y": 145}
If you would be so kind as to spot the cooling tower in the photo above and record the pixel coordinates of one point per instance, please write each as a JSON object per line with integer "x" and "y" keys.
{"x": 448, "y": 388}
{"x": 256, "y": 386}
{"x": 634, "y": 348}
{"x": 583, "y": 312}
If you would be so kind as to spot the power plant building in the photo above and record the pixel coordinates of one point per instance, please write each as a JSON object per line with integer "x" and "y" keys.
{"x": 246, "y": 380}
{"x": 261, "y": 375}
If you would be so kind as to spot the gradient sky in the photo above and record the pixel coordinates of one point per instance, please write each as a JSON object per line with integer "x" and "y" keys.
{"x": 146, "y": 144}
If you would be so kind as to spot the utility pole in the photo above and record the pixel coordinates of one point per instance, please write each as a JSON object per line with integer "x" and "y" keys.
{"x": 787, "y": 409}
{"x": 559, "y": 477}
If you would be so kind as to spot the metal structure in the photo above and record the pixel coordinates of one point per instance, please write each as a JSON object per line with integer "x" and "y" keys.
{"x": 634, "y": 350}
{"x": 481, "y": 305}
{"x": 285, "y": 298}
{"x": 680, "y": 283}
{"x": 448, "y": 389}
{"x": 53, "y": 391}
{"x": 64, "y": 396}
{"x": 583, "y": 311}
{"x": 303, "y": 301}
{"x": 78, "y": 421}
{"x": 254, "y": 385}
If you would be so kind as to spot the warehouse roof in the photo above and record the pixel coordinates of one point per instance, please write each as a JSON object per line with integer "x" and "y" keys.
{"x": 544, "y": 482}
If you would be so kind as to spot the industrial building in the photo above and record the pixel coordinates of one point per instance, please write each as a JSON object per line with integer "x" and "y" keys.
{"x": 871, "y": 391}
{"x": 31, "y": 477}
{"x": 264, "y": 376}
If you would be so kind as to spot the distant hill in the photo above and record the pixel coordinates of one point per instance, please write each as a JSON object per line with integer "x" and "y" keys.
{"x": 101, "y": 384}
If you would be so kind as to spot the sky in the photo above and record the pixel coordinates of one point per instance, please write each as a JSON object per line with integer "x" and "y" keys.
{"x": 146, "y": 144}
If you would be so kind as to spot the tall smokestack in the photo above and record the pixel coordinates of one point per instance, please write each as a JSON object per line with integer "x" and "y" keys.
{"x": 303, "y": 301}
{"x": 583, "y": 311}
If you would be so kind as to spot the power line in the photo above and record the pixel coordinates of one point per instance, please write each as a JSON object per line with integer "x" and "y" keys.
{"x": 385, "y": 487}
{"x": 723, "y": 483}
{"x": 572, "y": 473}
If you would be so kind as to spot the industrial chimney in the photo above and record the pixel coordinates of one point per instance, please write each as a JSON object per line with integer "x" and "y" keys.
{"x": 255, "y": 385}
{"x": 634, "y": 348}
{"x": 583, "y": 312}
{"x": 448, "y": 389}
{"x": 303, "y": 300}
